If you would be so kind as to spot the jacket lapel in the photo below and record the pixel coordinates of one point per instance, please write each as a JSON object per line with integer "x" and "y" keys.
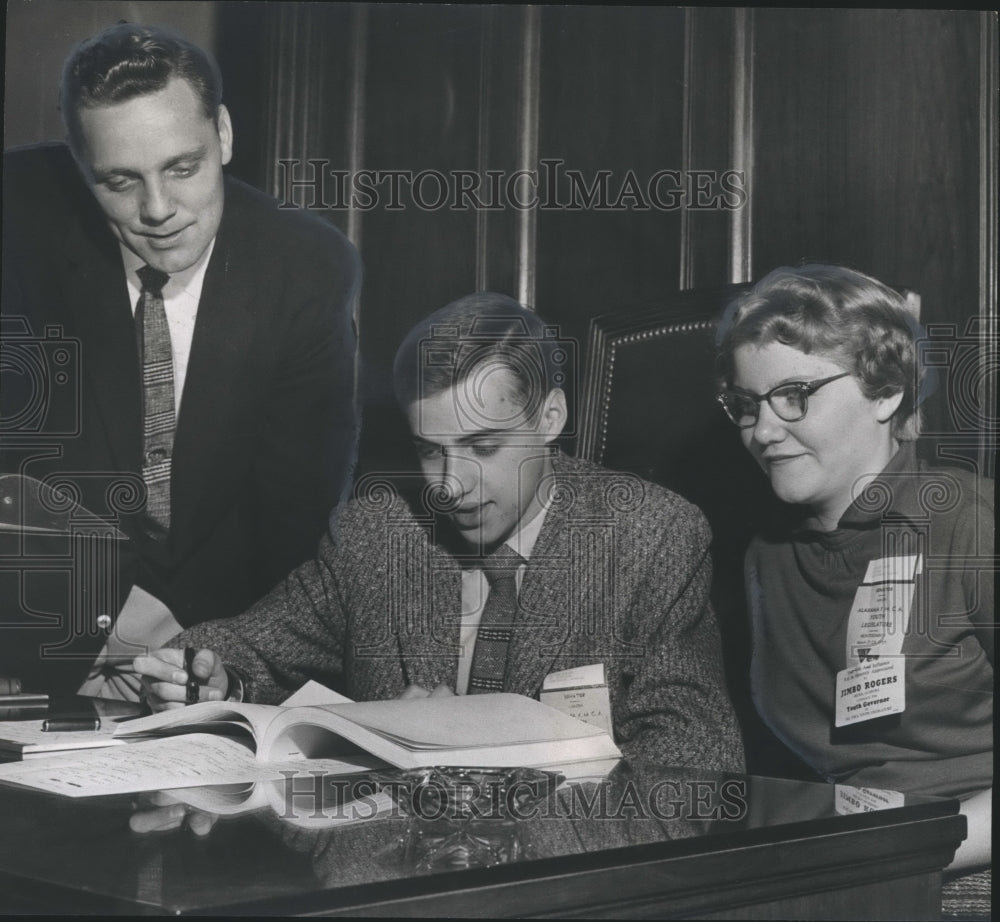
{"x": 221, "y": 344}
{"x": 544, "y": 620}
{"x": 429, "y": 644}
{"x": 97, "y": 301}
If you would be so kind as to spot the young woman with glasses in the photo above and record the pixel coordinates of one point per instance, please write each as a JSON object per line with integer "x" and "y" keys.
{"x": 872, "y": 612}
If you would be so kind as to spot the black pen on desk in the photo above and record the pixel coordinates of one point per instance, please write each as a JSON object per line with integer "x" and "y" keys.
{"x": 67, "y": 724}
{"x": 193, "y": 689}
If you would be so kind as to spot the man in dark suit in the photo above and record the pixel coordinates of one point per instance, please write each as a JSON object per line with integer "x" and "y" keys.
{"x": 207, "y": 404}
{"x": 509, "y": 562}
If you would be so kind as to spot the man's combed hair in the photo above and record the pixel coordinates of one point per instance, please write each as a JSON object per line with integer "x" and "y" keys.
{"x": 484, "y": 329}
{"x": 125, "y": 61}
{"x": 839, "y": 313}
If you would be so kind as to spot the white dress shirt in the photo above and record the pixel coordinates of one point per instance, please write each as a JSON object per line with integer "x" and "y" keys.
{"x": 181, "y": 295}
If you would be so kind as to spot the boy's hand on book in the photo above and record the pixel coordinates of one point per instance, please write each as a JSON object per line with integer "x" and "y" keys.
{"x": 165, "y": 680}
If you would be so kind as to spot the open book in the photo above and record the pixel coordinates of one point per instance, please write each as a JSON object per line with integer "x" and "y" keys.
{"x": 217, "y": 743}
{"x": 23, "y": 738}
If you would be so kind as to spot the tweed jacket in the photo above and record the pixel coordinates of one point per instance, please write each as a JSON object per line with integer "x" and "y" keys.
{"x": 267, "y": 429}
{"x": 620, "y": 575}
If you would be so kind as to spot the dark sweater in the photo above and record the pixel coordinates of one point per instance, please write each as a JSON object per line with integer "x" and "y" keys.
{"x": 801, "y": 587}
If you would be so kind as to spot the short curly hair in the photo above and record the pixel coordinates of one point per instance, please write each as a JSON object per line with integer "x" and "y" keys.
{"x": 842, "y": 314}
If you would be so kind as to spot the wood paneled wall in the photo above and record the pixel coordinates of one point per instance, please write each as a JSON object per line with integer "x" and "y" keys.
{"x": 860, "y": 137}
{"x": 867, "y": 138}
{"x": 39, "y": 34}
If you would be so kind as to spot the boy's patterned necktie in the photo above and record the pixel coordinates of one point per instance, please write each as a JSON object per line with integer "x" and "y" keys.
{"x": 489, "y": 659}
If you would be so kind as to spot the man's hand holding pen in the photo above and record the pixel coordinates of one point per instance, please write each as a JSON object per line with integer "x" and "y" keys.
{"x": 167, "y": 677}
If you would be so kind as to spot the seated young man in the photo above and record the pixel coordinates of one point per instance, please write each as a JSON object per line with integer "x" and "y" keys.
{"x": 510, "y": 562}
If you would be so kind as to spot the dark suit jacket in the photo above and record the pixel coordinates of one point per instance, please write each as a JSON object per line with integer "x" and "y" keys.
{"x": 620, "y": 574}
{"x": 266, "y": 436}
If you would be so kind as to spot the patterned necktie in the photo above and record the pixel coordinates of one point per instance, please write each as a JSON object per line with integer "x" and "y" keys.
{"x": 157, "y": 394}
{"x": 489, "y": 659}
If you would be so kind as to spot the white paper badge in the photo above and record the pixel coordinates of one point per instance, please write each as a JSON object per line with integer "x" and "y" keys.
{"x": 582, "y": 693}
{"x": 871, "y": 689}
{"x": 878, "y": 621}
{"x": 581, "y": 677}
{"x": 894, "y": 569}
{"x": 880, "y": 614}
{"x": 849, "y": 799}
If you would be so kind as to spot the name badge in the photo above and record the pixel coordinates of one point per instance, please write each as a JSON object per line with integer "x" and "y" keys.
{"x": 900, "y": 569}
{"x": 874, "y": 682}
{"x": 849, "y": 799}
{"x": 582, "y": 693}
{"x": 871, "y": 689}
{"x": 880, "y": 614}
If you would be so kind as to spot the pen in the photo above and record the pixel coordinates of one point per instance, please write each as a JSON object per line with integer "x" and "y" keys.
{"x": 193, "y": 691}
{"x": 65, "y": 724}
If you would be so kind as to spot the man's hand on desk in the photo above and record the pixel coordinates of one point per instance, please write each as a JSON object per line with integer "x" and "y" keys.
{"x": 165, "y": 681}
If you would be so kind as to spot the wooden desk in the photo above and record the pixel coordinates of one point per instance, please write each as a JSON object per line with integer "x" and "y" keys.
{"x": 647, "y": 842}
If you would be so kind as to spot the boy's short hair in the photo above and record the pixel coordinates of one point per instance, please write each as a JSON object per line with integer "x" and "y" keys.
{"x": 446, "y": 348}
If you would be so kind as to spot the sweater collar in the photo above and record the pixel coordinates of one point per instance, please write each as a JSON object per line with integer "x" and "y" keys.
{"x": 893, "y": 492}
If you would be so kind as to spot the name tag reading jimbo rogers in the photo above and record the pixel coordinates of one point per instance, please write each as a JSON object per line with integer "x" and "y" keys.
{"x": 872, "y": 689}
{"x": 874, "y": 682}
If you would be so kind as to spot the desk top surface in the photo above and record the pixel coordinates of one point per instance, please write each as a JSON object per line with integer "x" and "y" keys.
{"x": 88, "y": 851}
